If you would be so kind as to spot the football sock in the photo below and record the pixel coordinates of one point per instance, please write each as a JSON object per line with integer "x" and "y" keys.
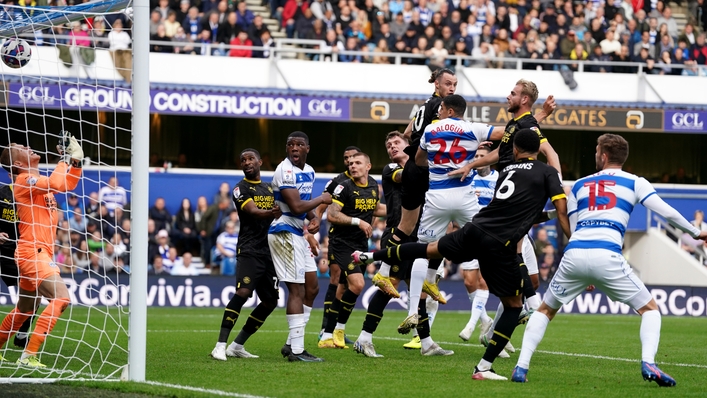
{"x": 478, "y": 306}
{"x": 471, "y": 296}
{"x": 533, "y": 302}
{"x": 375, "y": 311}
{"x": 399, "y": 237}
{"x": 499, "y": 313}
{"x": 426, "y": 343}
{"x": 328, "y": 298}
{"x": 365, "y": 337}
{"x": 230, "y": 316}
{"x": 332, "y": 316}
{"x": 45, "y": 323}
{"x": 11, "y": 323}
{"x": 502, "y": 333}
{"x": 307, "y": 313}
{"x": 384, "y": 270}
{"x": 432, "y": 306}
{"x": 348, "y": 302}
{"x": 408, "y": 251}
{"x": 296, "y": 324}
{"x": 254, "y": 322}
{"x": 528, "y": 289}
{"x": 534, "y": 332}
{"x": 650, "y": 335}
{"x": 423, "y": 324}
{"x": 417, "y": 277}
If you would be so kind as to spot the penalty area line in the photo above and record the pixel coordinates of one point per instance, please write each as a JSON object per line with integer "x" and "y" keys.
{"x": 201, "y": 390}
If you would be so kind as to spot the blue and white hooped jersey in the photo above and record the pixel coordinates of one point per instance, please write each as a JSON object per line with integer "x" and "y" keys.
{"x": 486, "y": 186}
{"x": 602, "y": 204}
{"x": 289, "y": 176}
{"x": 450, "y": 145}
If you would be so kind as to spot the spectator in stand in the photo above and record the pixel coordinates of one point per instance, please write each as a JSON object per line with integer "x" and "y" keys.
{"x": 160, "y": 36}
{"x": 699, "y": 220}
{"x": 688, "y": 34}
{"x": 551, "y": 52}
{"x": 567, "y": 44}
{"x": 181, "y": 37}
{"x": 210, "y": 225}
{"x": 644, "y": 44}
{"x": 67, "y": 207}
{"x": 544, "y": 276}
{"x": 212, "y": 25}
{"x": 264, "y": 41}
{"x": 385, "y": 34}
{"x": 155, "y": 21}
{"x": 421, "y": 49}
{"x": 229, "y": 29}
{"x": 643, "y": 56}
{"x": 224, "y": 253}
{"x": 610, "y": 45}
{"x": 351, "y": 45}
{"x": 157, "y": 267}
{"x": 185, "y": 267}
{"x": 93, "y": 204}
{"x": 78, "y": 222}
{"x": 99, "y": 33}
{"x": 222, "y": 10}
{"x": 461, "y": 50}
{"x": 184, "y": 233}
{"x": 482, "y": 55}
{"x": 319, "y": 8}
{"x": 578, "y": 54}
{"x": 224, "y": 192}
{"x": 256, "y": 29}
{"x": 623, "y": 56}
{"x": 304, "y": 23}
{"x": 120, "y": 43}
{"x": 664, "y": 63}
{"x": 398, "y": 26}
{"x": 667, "y": 18}
{"x": 245, "y": 16}
{"x": 698, "y": 51}
{"x": 203, "y": 44}
{"x": 241, "y": 40}
{"x": 382, "y": 47}
{"x": 192, "y": 24}
{"x": 171, "y": 259}
{"x": 171, "y": 24}
{"x": 438, "y": 55}
{"x": 112, "y": 195}
{"x": 163, "y": 9}
{"x": 425, "y": 13}
{"x": 160, "y": 215}
{"x": 665, "y": 44}
{"x": 601, "y": 59}
{"x": 183, "y": 11}
{"x": 80, "y": 258}
{"x": 208, "y": 6}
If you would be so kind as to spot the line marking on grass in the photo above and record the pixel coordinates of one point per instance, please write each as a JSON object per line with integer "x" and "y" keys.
{"x": 203, "y": 390}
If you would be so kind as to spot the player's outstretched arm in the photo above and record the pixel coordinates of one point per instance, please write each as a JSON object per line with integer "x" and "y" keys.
{"x": 488, "y": 160}
{"x": 561, "y": 207}
{"x": 314, "y": 222}
{"x": 338, "y": 218}
{"x": 299, "y": 206}
{"x": 421, "y": 158}
{"x": 655, "y": 203}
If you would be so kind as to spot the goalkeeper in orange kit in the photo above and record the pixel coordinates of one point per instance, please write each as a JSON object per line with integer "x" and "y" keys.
{"x": 37, "y": 211}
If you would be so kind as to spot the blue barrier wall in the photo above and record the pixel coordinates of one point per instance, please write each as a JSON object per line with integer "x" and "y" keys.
{"x": 214, "y": 291}
{"x": 175, "y": 184}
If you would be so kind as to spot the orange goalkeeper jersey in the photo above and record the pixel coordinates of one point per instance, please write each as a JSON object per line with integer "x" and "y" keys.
{"x": 36, "y": 206}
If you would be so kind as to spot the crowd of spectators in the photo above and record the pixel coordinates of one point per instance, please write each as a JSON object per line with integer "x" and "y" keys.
{"x": 487, "y": 30}
{"x": 695, "y": 247}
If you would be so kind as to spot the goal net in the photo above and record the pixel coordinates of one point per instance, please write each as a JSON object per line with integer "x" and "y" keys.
{"x": 78, "y": 79}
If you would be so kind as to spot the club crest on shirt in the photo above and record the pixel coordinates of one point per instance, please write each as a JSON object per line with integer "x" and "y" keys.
{"x": 338, "y": 189}
{"x": 32, "y": 181}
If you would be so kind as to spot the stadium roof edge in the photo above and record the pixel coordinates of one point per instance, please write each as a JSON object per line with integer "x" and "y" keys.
{"x": 341, "y": 94}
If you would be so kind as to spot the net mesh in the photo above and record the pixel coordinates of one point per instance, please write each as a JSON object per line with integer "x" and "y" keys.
{"x": 77, "y": 80}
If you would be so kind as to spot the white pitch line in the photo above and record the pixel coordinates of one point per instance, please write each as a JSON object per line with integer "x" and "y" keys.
{"x": 202, "y": 390}
{"x": 560, "y": 353}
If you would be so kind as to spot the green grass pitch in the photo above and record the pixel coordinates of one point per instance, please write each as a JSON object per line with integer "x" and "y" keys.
{"x": 581, "y": 356}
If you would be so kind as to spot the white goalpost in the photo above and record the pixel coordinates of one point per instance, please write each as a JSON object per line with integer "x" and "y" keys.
{"x": 81, "y": 80}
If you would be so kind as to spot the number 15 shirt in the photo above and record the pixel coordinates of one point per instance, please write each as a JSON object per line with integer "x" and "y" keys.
{"x": 450, "y": 145}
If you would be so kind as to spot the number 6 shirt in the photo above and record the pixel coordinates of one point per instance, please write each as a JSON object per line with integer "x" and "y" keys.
{"x": 450, "y": 145}
{"x": 522, "y": 191}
